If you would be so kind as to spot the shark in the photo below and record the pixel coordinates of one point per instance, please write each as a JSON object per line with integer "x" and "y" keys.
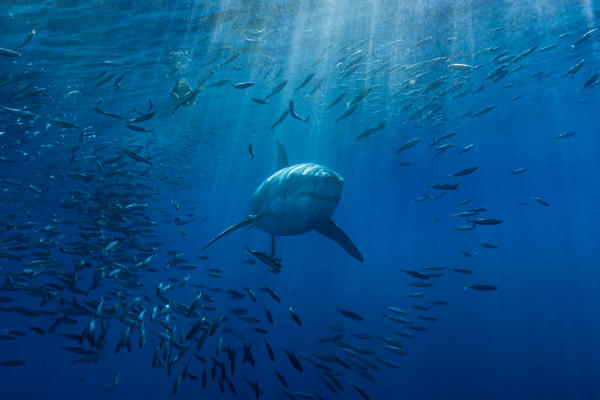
{"x": 295, "y": 200}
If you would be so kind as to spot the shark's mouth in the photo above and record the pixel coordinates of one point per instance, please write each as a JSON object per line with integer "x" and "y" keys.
{"x": 320, "y": 197}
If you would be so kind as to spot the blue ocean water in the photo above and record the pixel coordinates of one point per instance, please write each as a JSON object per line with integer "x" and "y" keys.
{"x": 114, "y": 173}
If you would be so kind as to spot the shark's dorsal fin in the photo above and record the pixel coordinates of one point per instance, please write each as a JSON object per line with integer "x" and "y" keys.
{"x": 282, "y": 158}
{"x": 249, "y": 220}
{"x": 333, "y": 232}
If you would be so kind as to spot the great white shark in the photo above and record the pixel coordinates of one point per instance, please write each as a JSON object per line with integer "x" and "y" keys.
{"x": 294, "y": 200}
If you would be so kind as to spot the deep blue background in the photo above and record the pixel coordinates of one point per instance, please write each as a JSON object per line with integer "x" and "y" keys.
{"x": 536, "y": 337}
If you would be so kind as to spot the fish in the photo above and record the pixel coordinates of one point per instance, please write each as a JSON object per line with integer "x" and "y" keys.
{"x": 435, "y": 84}
{"x": 37, "y": 329}
{"x": 518, "y": 171}
{"x": 462, "y": 67}
{"x": 305, "y": 81}
{"x": 265, "y": 258}
{"x": 230, "y": 59}
{"x": 118, "y": 80}
{"x": 549, "y": 47}
{"x": 564, "y": 135}
{"x": 94, "y": 77}
{"x": 592, "y": 81}
{"x": 397, "y": 319}
{"x": 251, "y": 151}
{"x": 443, "y": 148}
{"x": 488, "y": 245}
{"x": 584, "y": 38}
{"x": 486, "y": 221}
{"x": 255, "y": 388}
{"x": 20, "y": 90}
{"x": 397, "y": 310}
{"x": 259, "y": 101}
{"x": 281, "y": 378}
{"x": 395, "y": 350}
{"x": 12, "y": 363}
{"x": 277, "y": 89}
{"x": 9, "y": 53}
{"x": 445, "y": 186}
{"x": 63, "y": 124}
{"x": 361, "y": 392}
{"x": 462, "y": 270}
{"x": 271, "y": 293}
{"x": 388, "y": 363}
{"x": 137, "y": 128}
{"x": 483, "y": 111}
{"x": 137, "y": 157}
{"x": 282, "y": 117}
{"x": 337, "y": 100}
{"x": 294, "y": 115}
{"x": 360, "y": 96}
{"x": 317, "y": 86}
{"x": 242, "y": 85}
{"x": 574, "y": 69}
{"x": 320, "y": 190}
{"x": 111, "y": 63}
{"x": 107, "y": 113}
{"x": 408, "y": 144}
{"x": 481, "y": 286}
{"x": 521, "y": 56}
{"x": 415, "y": 274}
{"x": 269, "y": 350}
{"x": 142, "y": 117}
{"x": 541, "y": 201}
{"x": 27, "y": 39}
{"x": 370, "y": 131}
{"x": 251, "y": 294}
{"x": 350, "y": 314}
{"x": 465, "y": 228}
{"x": 294, "y": 360}
{"x": 464, "y": 214}
{"x": 478, "y": 209}
{"x": 348, "y": 113}
{"x": 104, "y": 80}
{"x": 464, "y": 172}
{"x": 295, "y": 316}
{"x": 487, "y": 50}
{"x": 19, "y": 113}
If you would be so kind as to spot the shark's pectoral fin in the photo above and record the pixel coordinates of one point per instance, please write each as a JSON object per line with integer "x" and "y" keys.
{"x": 248, "y": 221}
{"x": 333, "y": 232}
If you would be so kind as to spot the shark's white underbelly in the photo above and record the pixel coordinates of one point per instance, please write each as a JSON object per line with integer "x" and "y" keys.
{"x": 296, "y": 199}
